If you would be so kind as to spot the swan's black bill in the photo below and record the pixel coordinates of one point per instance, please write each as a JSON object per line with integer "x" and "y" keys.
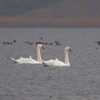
{"x": 70, "y": 50}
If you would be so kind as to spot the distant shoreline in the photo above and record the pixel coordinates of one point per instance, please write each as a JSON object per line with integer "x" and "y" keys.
{"x": 49, "y": 22}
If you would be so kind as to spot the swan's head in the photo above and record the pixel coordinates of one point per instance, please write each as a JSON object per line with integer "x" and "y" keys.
{"x": 41, "y": 46}
{"x": 68, "y": 49}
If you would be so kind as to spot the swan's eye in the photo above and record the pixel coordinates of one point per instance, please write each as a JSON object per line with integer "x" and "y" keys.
{"x": 70, "y": 50}
{"x": 43, "y": 47}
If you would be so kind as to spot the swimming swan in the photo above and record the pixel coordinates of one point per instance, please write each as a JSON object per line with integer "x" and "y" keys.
{"x": 29, "y": 60}
{"x": 57, "y": 62}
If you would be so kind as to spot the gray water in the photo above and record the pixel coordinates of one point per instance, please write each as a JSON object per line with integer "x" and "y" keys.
{"x": 81, "y": 81}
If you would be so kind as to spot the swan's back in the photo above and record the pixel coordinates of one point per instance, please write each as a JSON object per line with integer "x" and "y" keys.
{"x": 54, "y": 62}
{"x": 57, "y": 62}
{"x": 29, "y": 60}
{"x": 48, "y": 62}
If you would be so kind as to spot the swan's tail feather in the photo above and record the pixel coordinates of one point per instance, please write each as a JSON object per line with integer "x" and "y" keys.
{"x": 30, "y": 57}
{"x": 43, "y": 62}
{"x": 14, "y": 60}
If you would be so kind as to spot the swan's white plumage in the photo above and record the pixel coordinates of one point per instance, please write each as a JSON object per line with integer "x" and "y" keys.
{"x": 22, "y": 60}
{"x": 54, "y": 62}
{"x": 57, "y": 62}
{"x": 30, "y": 60}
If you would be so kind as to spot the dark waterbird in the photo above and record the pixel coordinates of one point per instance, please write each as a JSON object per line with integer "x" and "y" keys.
{"x": 98, "y": 42}
{"x": 4, "y": 43}
{"x": 14, "y": 41}
{"x": 57, "y": 42}
{"x": 10, "y": 43}
{"x": 38, "y": 43}
{"x": 41, "y": 38}
{"x": 28, "y": 42}
{"x": 45, "y": 43}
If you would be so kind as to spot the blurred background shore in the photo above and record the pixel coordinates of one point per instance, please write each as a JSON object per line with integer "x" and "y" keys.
{"x": 49, "y": 13}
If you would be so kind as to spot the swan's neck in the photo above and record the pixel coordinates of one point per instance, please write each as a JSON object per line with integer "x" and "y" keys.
{"x": 67, "y": 58}
{"x": 39, "y": 54}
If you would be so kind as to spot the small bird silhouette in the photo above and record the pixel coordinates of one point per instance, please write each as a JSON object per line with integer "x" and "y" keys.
{"x": 98, "y": 42}
{"x": 14, "y": 41}
{"x": 57, "y": 42}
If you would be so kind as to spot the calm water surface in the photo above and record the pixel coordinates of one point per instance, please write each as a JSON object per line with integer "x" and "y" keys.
{"x": 81, "y": 81}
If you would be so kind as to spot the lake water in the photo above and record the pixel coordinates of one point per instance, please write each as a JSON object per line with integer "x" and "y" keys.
{"x": 81, "y": 81}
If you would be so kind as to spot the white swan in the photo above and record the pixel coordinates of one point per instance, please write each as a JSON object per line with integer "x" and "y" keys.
{"x": 57, "y": 62}
{"x": 29, "y": 60}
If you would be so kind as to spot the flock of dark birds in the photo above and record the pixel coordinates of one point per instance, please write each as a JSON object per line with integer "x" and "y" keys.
{"x": 45, "y": 43}
{"x": 10, "y": 43}
{"x": 31, "y": 43}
